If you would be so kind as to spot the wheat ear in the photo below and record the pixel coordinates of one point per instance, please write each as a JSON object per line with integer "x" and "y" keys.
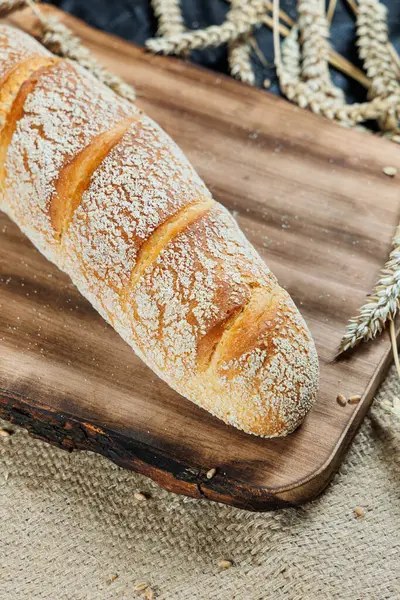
{"x": 331, "y": 10}
{"x": 353, "y": 5}
{"x": 336, "y": 60}
{"x": 314, "y": 31}
{"x": 382, "y": 68}
{"x": 239, "y": 52}
{"x": 373, "y": 44}
{"x": 382, "y": 305}
{"x": 239, "y": 61}
{"x": 313, "y": 88}
{"x": 239, "y": 22}
{"x": 304, "y": 74}
{"x": 60, "y": 40}
{"x": 169, "y": 16}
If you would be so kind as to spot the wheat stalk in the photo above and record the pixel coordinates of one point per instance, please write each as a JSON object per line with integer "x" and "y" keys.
{"x": 381, "y": 67}
{"x": 212, "y": 36}
{"x": 257, "y": 51}
{"x": 239, "y": 23}
{"x": 268, "y": 4}
{"x": 60, "y": 40}
{"x": 250, "y": 15}
{"x": 304, "y": 75}
{"x": 312, "y": 88}
{"x": 353, "y": 5}
{"x": 331, "y": 10}
{"x": 239, "y": 52}
{"x": 382, "y": 305}
{"x": 373, "y": 44}
{"x": 170, "y": 18}
{"x": 335, "y": 59}
{"x": 348, "y": 114}
{"x": 291, "y": 54}
{"x": 314, "y": 31}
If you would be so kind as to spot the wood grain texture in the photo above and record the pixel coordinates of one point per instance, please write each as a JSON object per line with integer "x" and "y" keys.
{"x": 311, "y": 196}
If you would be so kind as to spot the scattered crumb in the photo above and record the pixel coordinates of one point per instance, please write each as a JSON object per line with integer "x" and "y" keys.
{"x": 140, "y": 497}
{"x": 253, "y": 135}
{"x": 390, "y": 171}
{"x": 224, "y": 564}
{"x": 141, "y": 587}
{"x": 340, "y": 399}
{"x": 266, "y": 242}
{"x": 113, "y": 578}
{"x": 267, "y": 83}
{"x": 210, "y": 474}
{"x": 354, "y": 399}
{"x": 359, "y": 512}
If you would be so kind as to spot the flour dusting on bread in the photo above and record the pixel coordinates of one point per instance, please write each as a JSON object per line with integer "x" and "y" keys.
{"x": 106, "y": 195}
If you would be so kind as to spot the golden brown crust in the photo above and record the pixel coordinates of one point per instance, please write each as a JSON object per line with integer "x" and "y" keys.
{"x": 16, "y": 47}
{"x": 193, "y": 286}
{"x": 104, "y": 193}
{"x": 143, "y": 183}
{"x": 58, "y": 112}
{"x": 254, "y": 326}
{"x": 13, "y": 80}
{"x": 270, "y": 348}
{"x": 75, "y": 177}
{"x": 209, "y": 342}
{"x": 17, "y": 87}
{"x": 162, "y": 235}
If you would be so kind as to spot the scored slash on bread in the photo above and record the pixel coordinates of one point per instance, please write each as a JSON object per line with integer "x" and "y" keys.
{"x": 161, "y": 237}
{"x": 16, "y": 89}
{"x": 75, "y": 176}
{"x": 106, "y": 195}
{"x": 18, "y": 76}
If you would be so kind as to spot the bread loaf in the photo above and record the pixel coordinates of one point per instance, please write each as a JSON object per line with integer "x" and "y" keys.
{"x": 108, "y": 197}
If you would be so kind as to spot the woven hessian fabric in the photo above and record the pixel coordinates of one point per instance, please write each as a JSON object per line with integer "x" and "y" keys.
{"x": 69, "y": 522}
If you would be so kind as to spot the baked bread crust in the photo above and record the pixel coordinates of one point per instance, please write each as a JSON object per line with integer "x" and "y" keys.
{"x": 108, "y": 197}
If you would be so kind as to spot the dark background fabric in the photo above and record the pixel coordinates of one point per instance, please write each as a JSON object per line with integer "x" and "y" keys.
{"x": 134, "y": 20}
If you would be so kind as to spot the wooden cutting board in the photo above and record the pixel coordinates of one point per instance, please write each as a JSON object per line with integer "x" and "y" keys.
{"x": 310, "y": 195}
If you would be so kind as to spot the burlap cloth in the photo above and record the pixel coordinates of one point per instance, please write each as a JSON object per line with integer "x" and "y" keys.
{"x": 69, "y": 522}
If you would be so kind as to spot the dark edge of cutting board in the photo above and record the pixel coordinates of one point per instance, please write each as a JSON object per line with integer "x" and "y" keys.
{"x": 66, "y": 432}
{"x": 70, "y": 433}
